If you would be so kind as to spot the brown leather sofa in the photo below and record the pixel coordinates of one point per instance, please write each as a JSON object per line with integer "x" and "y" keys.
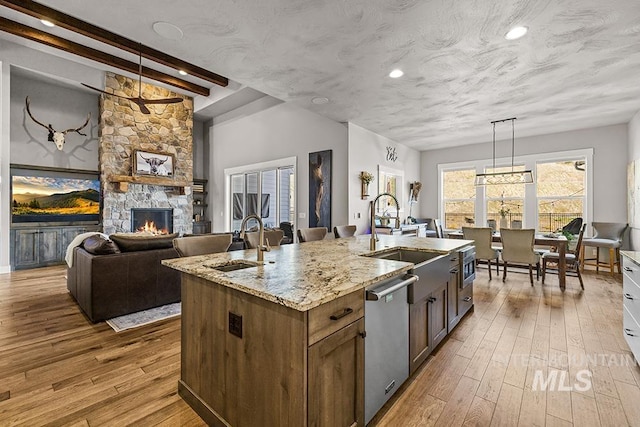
{"x": 112, "y": 285}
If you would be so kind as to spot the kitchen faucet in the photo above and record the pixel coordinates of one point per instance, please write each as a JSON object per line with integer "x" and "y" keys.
{"x": 372, "y": 205}
{"x": 262, "y": 247}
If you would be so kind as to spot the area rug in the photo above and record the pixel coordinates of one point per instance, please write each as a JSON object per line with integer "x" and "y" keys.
{"x": 141, "y": 318}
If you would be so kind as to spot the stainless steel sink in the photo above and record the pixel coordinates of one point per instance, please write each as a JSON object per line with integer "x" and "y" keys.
{"x": 406, "y": 255}
{"x": 234, "y": 265}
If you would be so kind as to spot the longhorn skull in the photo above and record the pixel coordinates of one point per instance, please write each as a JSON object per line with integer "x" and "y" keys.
{"x": 155, "y": 164}
{"x": 55, "y": 136}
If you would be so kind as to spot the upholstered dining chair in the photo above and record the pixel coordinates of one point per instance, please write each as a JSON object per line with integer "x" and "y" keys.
{"x": 517, "y": 248}
{"x": 516, "y": 223}
{"x": 272, "y": 237}
{"x": 311, "y": 234}
{"x": 203, "y": 244}
{"x": 344, "y": 231}
{"x": 482, "y": 237}
{"x": 438, "y": 226}
{"x": 608, "y": 235}
{"x": 491, "y": 223}
{"x": 572, "y": 259}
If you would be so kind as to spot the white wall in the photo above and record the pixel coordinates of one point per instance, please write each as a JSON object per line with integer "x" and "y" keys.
{"x": 368, "y": 150}
{"x": 5, "y": 195}
{"x": 268, "y": 129}
{"x": 609, "y": 165}
{"x": 634, "y": 154}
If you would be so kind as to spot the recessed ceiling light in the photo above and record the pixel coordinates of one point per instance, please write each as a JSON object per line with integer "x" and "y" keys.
{"x": 182, "y": 72}
{"x": 47, "y": 23}
{"x": 319, "y": 100}
{"x": 168, "y": 30}
{"x": 516, "y": 33}
{"x": 396, "y": 73}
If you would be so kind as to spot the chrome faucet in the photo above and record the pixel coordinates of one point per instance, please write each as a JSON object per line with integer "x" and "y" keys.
{"x": 262, "y": 247}
{"x": 372, "y": 205}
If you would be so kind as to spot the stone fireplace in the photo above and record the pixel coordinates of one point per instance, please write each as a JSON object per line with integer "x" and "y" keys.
{"x": 152, "y": 220}
{"x": 124, "y": 129}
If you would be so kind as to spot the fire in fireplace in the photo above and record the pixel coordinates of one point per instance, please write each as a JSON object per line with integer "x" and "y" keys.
{"x": 152, "y": 220}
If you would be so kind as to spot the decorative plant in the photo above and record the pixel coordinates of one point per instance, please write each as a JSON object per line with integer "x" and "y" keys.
{"x": 504, "y": 211}
{"x": 366, "y": 177}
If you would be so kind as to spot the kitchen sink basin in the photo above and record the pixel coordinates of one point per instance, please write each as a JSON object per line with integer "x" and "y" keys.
{"x": 234, "y": 265}
{"x": 406, "y": 255}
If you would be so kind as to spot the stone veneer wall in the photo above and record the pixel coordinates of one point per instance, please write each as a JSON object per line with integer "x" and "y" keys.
{"x": 123, "y": 129}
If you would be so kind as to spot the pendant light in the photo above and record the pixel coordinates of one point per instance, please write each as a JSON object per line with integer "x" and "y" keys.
{"x": 513, "y": 177}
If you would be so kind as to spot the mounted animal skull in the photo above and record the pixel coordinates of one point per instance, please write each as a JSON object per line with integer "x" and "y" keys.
{"x": 155, "y": 164}
{"x": 55, "y": 136}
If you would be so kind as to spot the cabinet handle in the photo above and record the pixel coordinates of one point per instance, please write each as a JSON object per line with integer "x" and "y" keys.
{"x": 363, "y": 334}
{"x": 466, "y": 299}
{"x": 628, "y": 269}
{"x": 347, "y": 311}
{"x": 628, "y": 332}
{"x": 628, "y": 296}
{"x": 432, "y": 299}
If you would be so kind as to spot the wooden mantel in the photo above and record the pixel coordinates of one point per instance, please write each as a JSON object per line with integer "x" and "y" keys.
{"x": 122, "y": 182}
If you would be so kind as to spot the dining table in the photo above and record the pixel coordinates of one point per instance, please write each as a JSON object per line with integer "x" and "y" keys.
{"x": 540, "y": 239}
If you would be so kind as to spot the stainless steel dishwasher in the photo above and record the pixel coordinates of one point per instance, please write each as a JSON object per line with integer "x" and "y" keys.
{"x": 386, "y": 351}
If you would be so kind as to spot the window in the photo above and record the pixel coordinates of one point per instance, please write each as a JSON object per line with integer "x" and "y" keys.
{"x": 504, "y": 202}
{"x": 459, "y": 193}
{"x": 265, "y": 189}
{"x": 563, "y": 190}
{"x": 560, "y": 192}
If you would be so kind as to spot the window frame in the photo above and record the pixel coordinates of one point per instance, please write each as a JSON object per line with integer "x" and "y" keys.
{"x": 530, "y": 211}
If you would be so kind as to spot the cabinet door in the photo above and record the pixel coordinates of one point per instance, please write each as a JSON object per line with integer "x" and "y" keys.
{"x": 454, "y": 302}
{"x": 49, "y": 246}
{"x": 438, "y": 311}
{"x": 419, "y": 339}
{"x": 26, "y": 251}
{"x": 336, "y": 378}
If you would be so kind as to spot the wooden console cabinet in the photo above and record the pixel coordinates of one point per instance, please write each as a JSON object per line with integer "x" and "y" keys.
{"x": 248, "y": 361}
{"x": 631, "y": 304}
{"x": 42, "y": 246}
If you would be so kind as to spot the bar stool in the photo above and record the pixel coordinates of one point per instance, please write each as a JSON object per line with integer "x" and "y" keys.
{"x": 608, "y": 235}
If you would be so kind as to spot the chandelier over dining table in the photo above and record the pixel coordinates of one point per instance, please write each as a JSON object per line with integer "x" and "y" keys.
{"x": 512, "y": 177}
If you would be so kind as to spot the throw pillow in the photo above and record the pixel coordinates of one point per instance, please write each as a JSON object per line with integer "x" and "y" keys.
{"x": 98, "y": 245}
{"x": 142, "y": 242}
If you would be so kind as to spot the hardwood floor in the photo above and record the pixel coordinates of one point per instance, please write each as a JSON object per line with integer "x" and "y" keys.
{"x": 56, "y": 368}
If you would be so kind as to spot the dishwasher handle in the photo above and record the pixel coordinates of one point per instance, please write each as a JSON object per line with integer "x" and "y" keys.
{"x": 375, "y": 296}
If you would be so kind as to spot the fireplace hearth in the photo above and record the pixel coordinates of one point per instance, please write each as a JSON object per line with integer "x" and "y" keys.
{"x": 152, "y": 220}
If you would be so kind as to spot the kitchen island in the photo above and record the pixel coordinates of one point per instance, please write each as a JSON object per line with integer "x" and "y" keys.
{"x": 281, "y": 343}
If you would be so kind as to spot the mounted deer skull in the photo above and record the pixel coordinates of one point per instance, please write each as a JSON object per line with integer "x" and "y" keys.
{"x": 55, "y": 136}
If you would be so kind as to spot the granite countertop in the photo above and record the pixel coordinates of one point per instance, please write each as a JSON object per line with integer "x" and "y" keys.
{"x": 632, "y": 255}
{"x": 304, "y": 276}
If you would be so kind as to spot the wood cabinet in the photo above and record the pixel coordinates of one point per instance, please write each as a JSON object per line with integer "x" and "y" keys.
{"x": 39, "y": 247}
{"x": 631, "y": 305}
{"x": 427, "y": 325}
{"x": 246, "y": 361}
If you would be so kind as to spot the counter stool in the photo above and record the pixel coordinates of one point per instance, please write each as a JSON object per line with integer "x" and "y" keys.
{"x": 608, "y": 235}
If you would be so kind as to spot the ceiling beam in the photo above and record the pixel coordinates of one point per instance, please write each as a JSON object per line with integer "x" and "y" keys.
{"x": 70, "y": 23}
{"x": 27, "y": 32}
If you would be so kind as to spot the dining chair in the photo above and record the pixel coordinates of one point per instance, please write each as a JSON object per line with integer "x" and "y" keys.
{"x": 438, "y": 226}
{"x": 608, "y": 235}
{"x": 572, "y": 259}
{"x": 272, "y": 238}
{"x": 516, "y": 223}
{"x": 344, "y": 231}
{"x": 517, "y": 248}
{"x": 311, "y": 234}
{"x": 202, "y": 244}
{"x": 491, "y": 223}
{"x": 482, "y": 237}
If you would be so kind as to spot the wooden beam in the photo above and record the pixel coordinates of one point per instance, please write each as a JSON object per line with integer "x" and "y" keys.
{"x": 27, "y": 32}
{"x": 100, "y": 34}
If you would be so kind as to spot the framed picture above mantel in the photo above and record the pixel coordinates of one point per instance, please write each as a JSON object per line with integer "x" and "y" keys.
{"x": 153, "y": 164}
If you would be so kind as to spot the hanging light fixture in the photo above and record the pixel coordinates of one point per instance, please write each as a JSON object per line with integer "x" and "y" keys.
{"x": 513, "y": 177}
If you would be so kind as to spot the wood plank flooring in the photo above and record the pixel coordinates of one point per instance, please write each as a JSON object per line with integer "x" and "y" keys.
{"x": 56, "y": 368}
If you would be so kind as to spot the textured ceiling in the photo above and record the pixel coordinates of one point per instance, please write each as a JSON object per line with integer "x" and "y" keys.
{"x": 579, "y": 65}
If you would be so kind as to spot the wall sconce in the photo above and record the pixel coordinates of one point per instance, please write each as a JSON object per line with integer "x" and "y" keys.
{"x": 365, "y": 178}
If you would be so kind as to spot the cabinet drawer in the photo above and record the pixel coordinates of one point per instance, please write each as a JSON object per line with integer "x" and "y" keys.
{"x": 631, "y": 269}
{"x": 631, "y": 331}
{"x": 328, "y": 318}
{"x": 631, "y": 297}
